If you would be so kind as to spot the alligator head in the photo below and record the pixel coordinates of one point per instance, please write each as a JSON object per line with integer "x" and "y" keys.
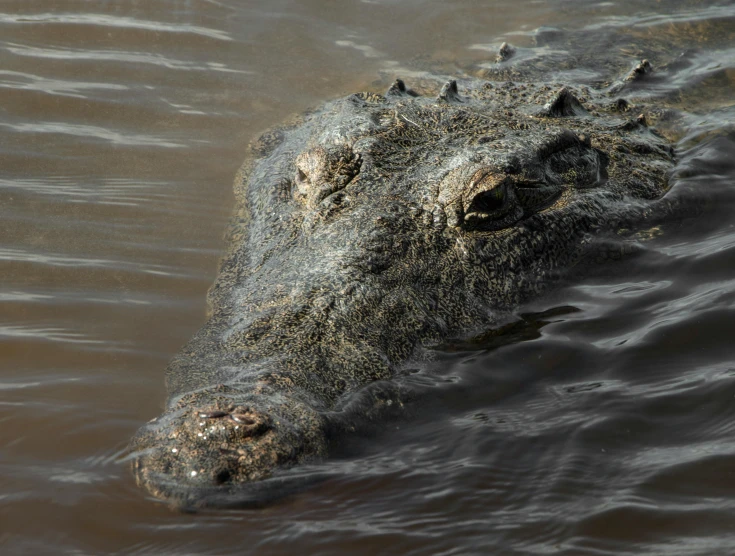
{"x": 377, "y": 226}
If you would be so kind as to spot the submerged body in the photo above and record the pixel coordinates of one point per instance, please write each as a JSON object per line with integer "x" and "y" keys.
{"x": 377, "y": 227}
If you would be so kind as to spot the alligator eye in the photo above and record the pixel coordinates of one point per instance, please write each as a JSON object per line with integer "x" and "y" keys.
{"x": 493, "y": 209}
{"x": 489, "y": 201}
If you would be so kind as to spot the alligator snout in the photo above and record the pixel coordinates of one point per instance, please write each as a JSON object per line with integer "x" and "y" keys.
{"x": 219, "y": 444}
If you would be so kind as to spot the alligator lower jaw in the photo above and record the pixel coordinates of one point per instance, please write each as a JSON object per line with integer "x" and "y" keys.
{"x": 186, "y": 497}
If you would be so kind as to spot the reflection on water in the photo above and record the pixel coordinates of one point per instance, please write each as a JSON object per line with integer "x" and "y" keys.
{"x": 603, "y": 424}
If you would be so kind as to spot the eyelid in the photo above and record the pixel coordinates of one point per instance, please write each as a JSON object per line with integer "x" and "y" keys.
{"x": 482, "y": 181}
{"x": 538, "y": 197}
{"x": 482, "y": 174}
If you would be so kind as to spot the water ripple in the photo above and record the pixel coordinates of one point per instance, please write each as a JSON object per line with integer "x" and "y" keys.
{"x": 92, "y": 133}
{"x": 122, "y": 56}
{"x": 51, "y": 333}
{"x": 107, "y": 190}
{"x": 35, "y": 384}
{"x": 686, "y": 17}
{"x": 53, "y": 259}
{"x": 31, "y": 82}
{"x": 104, "y": 20}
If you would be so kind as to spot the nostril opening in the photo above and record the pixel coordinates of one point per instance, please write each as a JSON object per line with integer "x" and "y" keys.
{"x": 242, "y": 419}
{"x": 223, "y": 476}
{"x": 212, "y": 414}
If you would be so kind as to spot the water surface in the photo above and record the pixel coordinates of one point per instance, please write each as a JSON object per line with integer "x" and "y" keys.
{"x": 604, "y": 427}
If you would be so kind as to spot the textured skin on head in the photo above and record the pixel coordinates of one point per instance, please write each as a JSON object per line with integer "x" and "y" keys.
{"x": 375, "y": 227}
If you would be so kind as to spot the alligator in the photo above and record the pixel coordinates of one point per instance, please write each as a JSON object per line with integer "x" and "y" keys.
{"x": 369, "y": 232}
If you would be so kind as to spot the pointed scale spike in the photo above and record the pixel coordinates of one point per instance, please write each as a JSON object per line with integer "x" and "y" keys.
{"x": 640, "y": 71}
{"x": 505, "y": 52}
{"x": 449, "y": 93}
{"x": 399, "y": 89}
{"x": 563, "y": 105}
{"x": 637, "y": 123}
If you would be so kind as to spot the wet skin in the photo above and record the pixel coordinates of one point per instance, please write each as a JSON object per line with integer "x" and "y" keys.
{"x": 368, "y": 232}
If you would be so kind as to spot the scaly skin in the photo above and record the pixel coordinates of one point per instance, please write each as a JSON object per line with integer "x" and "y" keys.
{"x": 375, "y": 228}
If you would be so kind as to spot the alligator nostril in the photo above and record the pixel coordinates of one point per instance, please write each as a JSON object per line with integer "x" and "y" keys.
{"x": 222, "y": 476}
{"x": 250, "y": 423}
{"x": 243, "y": 419}
{"x": 212, "y": 414}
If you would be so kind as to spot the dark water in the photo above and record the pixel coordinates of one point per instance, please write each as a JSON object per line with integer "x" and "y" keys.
{"x": 603, "y": 425}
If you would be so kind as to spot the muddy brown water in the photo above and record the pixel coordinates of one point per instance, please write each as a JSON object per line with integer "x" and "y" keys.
{"x": 605, "y": 427}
